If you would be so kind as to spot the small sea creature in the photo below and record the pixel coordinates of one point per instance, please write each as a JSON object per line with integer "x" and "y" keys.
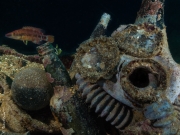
{"x": 28, "y": 33}
{"x": 58, "y": 50}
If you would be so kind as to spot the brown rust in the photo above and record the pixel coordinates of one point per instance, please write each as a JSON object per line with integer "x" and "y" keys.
{"x": 144, "y": 40}
{"x": 73, "y": 112}
{"x": 96, "y": 58}
{"x": 142, "y": 91}
{"x": 148, "y": 7}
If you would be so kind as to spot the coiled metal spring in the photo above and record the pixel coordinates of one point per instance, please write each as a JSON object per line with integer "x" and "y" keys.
{"x": 115, "y": 112}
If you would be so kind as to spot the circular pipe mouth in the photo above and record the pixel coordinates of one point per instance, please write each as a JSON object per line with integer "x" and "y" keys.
{"x": 96, "y": 59}
{"x": 143, "y": 79}
{"x": 140, "y": 77}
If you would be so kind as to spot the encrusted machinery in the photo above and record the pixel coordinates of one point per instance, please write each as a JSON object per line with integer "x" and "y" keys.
{"x": 129, "y": 78}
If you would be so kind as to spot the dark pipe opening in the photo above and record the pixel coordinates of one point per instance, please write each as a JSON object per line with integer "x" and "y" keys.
{"x": 139, "y": 77}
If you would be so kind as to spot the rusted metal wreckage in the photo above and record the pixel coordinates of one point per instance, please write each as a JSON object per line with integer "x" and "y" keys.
{"x": 130, "y": 78}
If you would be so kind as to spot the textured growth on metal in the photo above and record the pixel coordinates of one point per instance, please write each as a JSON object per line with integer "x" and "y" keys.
{"x": 129, "y": 78}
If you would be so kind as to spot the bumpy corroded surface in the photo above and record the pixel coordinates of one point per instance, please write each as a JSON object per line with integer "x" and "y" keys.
{"x": 97, "y": 58}
{"x": 130, "y": 72}
{"x": 10, "y": 64}
{"x": 15, "y": 119}
{"x": 142, "y": 41}
{"x": 18, "y": 120}
{"x": 144, "y": 79}
{"x": 31, "y": 89}
{"x": 66, "y": 104}
{"x": 152, "y": 12}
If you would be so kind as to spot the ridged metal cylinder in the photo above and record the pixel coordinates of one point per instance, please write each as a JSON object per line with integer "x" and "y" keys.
{"x": 118, "y": 114}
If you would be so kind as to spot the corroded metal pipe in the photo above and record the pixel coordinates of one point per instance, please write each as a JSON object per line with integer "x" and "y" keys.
{"x": 152, "y": 12}
{"x": 66, "y": 105}
{"x": 100, "y": 28}
{"x": 56, "y": 71}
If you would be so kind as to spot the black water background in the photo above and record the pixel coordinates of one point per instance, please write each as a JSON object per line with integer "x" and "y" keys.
{"x": 72, "y": 21}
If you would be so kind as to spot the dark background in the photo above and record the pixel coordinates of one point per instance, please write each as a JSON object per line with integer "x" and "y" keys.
{"x": 72, "y": 21}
